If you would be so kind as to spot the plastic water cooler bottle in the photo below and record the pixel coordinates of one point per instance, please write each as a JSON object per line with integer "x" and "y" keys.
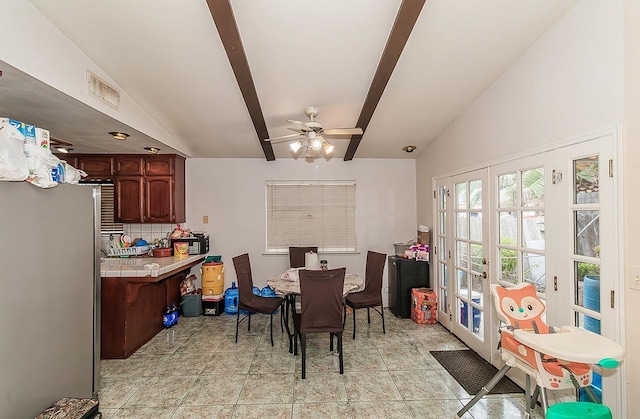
{"x": 231, "y": 297}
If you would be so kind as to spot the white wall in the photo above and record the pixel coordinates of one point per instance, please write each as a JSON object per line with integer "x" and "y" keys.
{"x": 571, "y": 82}
{"x": 231, "y": 192}
{"x": 568, "y": 83}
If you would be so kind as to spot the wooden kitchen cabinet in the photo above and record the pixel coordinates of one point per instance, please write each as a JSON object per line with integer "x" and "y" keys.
{"x": 156, "y": 196}
{"x": 129, "y": 165}
{"x": 128, "y": 199}
{"x": 159, "y": 166}
{"x": 159, "y": 200}
{"x": 95, "y": 165}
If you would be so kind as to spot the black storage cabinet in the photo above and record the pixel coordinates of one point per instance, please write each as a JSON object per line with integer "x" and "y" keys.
{"x": 405, "y": 274}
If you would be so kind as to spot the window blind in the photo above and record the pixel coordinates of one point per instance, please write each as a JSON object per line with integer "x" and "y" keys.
{"x": 311, "y": 213}
{"x": 107, "y": 212}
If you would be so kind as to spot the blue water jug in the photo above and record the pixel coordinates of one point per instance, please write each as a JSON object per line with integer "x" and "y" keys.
{"x": 231, "y": 297}
{"x": 268, "y": 292}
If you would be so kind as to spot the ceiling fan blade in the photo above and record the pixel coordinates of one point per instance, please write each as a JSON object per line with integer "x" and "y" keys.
{"x": 298, "y": 124}
{"x": 284, "y": 138}
{"x": 343, "y": 131}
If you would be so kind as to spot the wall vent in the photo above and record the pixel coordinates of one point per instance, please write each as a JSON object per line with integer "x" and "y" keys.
{"x": 102, "y": 91}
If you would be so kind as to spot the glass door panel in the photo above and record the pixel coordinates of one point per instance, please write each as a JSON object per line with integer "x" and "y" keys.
{"x": 469, "y": 259}
{"x": 589, "y": 283}
{"x": 441, "y": 253}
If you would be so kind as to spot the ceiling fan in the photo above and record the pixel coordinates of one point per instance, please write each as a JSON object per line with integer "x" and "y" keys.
{"x": 312, "y": 134}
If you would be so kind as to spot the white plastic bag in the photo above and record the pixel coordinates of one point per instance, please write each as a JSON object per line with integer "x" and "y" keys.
{"x": 71, "y": 174}
{"x": 40, "y": 161}
{"x": 13, "y": 162}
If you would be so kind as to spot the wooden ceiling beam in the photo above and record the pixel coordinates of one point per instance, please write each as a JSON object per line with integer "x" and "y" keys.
{"x": 402, "y": 27}
{"x": 225, "y": 21}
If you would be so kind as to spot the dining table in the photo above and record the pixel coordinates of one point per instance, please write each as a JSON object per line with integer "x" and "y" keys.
{"x": 287, "y": 286}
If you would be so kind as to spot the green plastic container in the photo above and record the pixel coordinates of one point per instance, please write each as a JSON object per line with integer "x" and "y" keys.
{"x": 192, "y": 305}
{"x": 578, "y": 410}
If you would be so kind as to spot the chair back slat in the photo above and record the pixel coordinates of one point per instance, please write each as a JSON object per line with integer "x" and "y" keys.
{"x": 296, "y": 255}
{"x": 321, "y": 300}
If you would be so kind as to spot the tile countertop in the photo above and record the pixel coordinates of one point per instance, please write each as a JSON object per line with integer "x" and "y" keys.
{"x": 135, "y": 266}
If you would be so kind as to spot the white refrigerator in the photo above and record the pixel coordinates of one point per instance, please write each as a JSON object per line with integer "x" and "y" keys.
{"x": 49, "y": 296}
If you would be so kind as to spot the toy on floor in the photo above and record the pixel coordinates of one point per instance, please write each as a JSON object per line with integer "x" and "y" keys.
{"x": 557, "y": 358}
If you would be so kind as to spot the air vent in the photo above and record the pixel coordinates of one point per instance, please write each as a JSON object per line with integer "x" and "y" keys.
{"x": 102, "y": 91}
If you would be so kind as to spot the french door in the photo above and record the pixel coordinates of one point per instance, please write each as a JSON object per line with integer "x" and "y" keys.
{"x": 548, "y": 219}
{"x": 441, "y": 254}
{"x": 469, "y": 244}
{"x": 586, "y": 292}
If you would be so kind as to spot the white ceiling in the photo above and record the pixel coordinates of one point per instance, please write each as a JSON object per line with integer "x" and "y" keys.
{"x": 168, "y": 56}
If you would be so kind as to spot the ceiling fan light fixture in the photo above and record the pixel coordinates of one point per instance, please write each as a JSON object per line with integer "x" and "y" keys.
{"x": 316, "y": 143}
{"x": 295, "y": 146}
{"x": 327, "y": 148}
{"x": 120, "y": 136}
{"x": 310, "y": 153}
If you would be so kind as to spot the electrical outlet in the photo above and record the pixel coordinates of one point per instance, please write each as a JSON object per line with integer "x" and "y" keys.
{"x": 634, "y": 277}
{"x": 205, "y": 219}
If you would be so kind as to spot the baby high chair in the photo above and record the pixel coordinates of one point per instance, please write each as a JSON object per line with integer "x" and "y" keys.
{"x": 557, "y": 358}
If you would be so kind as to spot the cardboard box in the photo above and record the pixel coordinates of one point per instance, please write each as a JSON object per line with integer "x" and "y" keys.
{"x": 29, "y": 131}
{"x": 423, "y": 237}
{"x": 42, "y": 138}
{"x": 424, "y": 306}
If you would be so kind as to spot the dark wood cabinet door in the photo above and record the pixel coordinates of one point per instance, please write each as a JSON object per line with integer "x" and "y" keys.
{"x": 159, "y": 165}
{"x": 96, "y": 166}
{"x": 129, "y": 166}
{"x": 129, "y": 193}
{"x": 159, "y": 199}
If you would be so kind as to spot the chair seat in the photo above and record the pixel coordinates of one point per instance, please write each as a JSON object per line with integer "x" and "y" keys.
{"x": 361, "y": 300}
{"x": 262, "y": 304}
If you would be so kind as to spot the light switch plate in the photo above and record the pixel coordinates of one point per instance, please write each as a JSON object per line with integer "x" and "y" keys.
{"x": 205, "y": 219}
{"x": 634, "y": 277}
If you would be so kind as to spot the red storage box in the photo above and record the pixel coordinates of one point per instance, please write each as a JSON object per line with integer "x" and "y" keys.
{"x": 423, "y": 306}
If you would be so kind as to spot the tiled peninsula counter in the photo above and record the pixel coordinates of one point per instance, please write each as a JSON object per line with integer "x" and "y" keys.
{"x": 134, "y": 294}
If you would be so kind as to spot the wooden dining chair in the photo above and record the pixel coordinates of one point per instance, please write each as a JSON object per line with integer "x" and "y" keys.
{"x": 247, "y": 299}
{"x": 322, "y": 305}
{"x": 296, "y": 255}
{"x": 371, "y": 296}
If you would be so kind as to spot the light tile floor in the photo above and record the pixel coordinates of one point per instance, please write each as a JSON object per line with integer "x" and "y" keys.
{"x": 196, "y": 370}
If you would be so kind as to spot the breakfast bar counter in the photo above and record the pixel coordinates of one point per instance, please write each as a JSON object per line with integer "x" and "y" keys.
{"x": 146, "y": 266}
{"x": 134, "y": 295}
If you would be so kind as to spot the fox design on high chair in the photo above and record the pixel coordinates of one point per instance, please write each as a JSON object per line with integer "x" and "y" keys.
{"x": 522, "y": 309}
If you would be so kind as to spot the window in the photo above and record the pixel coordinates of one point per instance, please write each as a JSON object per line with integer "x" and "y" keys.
{"x": 311, "y": 213}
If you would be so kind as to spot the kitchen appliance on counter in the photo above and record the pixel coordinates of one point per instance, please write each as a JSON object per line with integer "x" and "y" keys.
{"x": 198, "y": 243}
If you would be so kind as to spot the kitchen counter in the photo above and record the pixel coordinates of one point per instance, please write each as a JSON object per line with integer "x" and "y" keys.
{"x": 134, "y": 297}
{"x": 135, "y": 266}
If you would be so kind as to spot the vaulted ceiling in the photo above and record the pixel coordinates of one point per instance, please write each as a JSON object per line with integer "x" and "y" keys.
{"x": 221, "y": 76}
